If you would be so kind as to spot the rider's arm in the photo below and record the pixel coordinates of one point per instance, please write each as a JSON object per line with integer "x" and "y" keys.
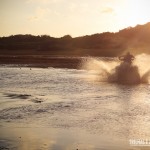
{"x": 121, "y": 57}
{"x": 132, "y": 57}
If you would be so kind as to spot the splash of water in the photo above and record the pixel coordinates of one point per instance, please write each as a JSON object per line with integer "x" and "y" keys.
{"x": 112, "y": 70}
{"x": 143, "y": 62}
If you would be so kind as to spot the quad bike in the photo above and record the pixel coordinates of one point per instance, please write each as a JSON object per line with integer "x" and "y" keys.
{"x": 126, "y": 72}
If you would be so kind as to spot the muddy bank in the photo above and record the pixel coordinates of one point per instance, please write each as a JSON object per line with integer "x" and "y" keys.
{"x": 41, "y": 61}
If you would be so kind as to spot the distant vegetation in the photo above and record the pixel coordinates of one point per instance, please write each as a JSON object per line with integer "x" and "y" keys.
{"x": 135, "y": 40}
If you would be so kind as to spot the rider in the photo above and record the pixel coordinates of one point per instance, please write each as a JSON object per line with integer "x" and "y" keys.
{"x": 127, "y": 57}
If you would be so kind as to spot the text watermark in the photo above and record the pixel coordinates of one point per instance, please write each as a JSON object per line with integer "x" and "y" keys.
{"x": 139, "y": 142}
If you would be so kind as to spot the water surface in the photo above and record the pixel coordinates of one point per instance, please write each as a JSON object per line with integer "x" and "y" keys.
{"x": 52, "y": 108}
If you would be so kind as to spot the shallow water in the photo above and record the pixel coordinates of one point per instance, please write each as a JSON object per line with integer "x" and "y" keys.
{"x": 48, "y": 105}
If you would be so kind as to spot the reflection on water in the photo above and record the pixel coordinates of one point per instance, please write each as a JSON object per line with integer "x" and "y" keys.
{"x": 65, "y": 109}
{"x": 56, "y": 139}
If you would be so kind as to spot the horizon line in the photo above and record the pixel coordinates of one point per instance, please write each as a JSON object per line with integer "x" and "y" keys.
{"x": 75, "y": 36}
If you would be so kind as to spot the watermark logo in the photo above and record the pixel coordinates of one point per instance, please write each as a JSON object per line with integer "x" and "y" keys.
{"x": 139, "y": 142}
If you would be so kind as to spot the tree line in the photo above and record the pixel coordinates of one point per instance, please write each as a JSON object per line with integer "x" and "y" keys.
{"x": 134, "y": 39}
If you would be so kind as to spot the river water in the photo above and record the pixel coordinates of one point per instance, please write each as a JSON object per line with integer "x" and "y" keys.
{"x": 54, "y": 108}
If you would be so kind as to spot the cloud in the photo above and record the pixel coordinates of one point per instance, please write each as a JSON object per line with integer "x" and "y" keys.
{"x": 78, "y": 7}
{"x": 39, "y": 14}
{"x": 108, "y": 10}
{"x": 37, "y": 1}
{"x": 43, "y": 1}
{"x": 73, "y": 7}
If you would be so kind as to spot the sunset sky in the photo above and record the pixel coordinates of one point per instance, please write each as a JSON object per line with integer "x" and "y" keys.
{"x": 75, "y": 17}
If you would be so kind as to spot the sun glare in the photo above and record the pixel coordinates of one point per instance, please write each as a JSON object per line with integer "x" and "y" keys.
{"x": 132, "y": 12}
